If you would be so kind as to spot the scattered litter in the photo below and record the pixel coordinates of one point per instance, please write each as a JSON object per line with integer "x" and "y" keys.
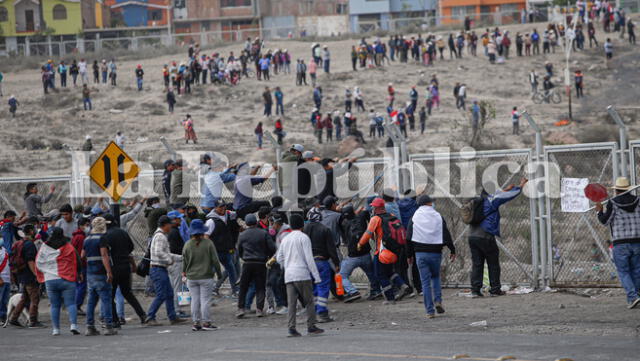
{"x": 549, "y": 289}
{"x": 482, "y": 323}
{"x": 505, "y": 358}
{"x": 115, "y": 111}
{"x": 459, "y": 356}
{"x": 520, "y": 291}
{"x": 464, "y": 294}
{"x": 564, "y": 359}
{"x": 142, "y": 139}
{"x": 393, "y": 323}
{"x": 165, "y": 331}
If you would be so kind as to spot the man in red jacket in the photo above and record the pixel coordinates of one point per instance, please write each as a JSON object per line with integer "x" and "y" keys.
{"x": 77, "y": 241}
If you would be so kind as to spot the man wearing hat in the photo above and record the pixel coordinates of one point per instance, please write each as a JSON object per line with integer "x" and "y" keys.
{"x": 255, "y": 247}
{"x": 427, "y": 235}
{"x": 383, "y": 271}
{"x": 199, "y": 261}
{"x": 161, "y": 259}
{"x": 623, "y": 218}
{"x": 176, "y": 243}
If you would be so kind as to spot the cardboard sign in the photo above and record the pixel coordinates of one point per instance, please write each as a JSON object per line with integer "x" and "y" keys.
{"x": 572, "y": 196}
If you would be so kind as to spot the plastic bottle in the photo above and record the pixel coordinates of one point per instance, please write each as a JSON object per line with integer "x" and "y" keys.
{"x": 339, "y": 287}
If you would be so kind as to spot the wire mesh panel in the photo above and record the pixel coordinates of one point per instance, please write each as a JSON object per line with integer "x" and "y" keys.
{"x": 459, "y": 178}
{"x": 12, "y": 191}
{"x": 578, "y": 246}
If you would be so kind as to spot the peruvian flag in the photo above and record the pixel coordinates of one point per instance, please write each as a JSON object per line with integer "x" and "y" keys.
{"x": 53, "y": 264}
{"x": 394, "y": 116}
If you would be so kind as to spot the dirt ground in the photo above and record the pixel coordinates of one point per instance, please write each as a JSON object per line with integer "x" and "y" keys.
{"x": 593, "y": 312}
{"x": 225, "y": 116}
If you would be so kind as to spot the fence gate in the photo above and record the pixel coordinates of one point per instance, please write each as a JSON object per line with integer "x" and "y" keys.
{"x": 577, "y": 252}
{"x": 519, "y": 254}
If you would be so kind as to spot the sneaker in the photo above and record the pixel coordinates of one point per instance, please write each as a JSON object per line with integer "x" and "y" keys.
{"x": 74, "y": 330}
{"x": 207, "y": 326}
{"x": 282, "y": 311}
{"x": 91, "y": 331}
{"x": 177, "y": 321}
{"x": 110, "y": 331}
{"x": 152, "y": 322}
{"x": 15, "y": 323}
{"x": 240, "y": 313}
{"x": 476, "y": 294}
{"x": 260, "y": 313}
{"x": 352, "y": 297}
{"x": 389, "y": 302}
{"x": 324, "y": 318}
{"x": 439, "y": 307}
{"x": 215, "y": 293}
{"x": 196, "y": 327}
{"x": 55, "y": 332}
{"x": 374, "y": 296}
{"x": 116, "y": 325}
{"x": 431, "y": 315}
{"x": 497, "y": 293}
{"x": 313, "y": 330}
{"x": 36, "y": 324}
{"x": 404, "y": 291}
{"x": 293, "y": 333}
{"x": 271, "y": 311}
{"x": 635, "y": 303}
{"x": 122, "y": 320}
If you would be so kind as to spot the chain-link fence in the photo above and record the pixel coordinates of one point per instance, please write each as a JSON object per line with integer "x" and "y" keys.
{"x": 452, "y": 179}
{"x": 12, "y": 192}
{"x": 577, "y": 249}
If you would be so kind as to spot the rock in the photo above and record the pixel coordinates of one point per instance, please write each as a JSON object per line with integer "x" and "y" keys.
{"x": 459, "y": 356}
{"x": 562, "y": 306}
{"x": 505, "y": 358}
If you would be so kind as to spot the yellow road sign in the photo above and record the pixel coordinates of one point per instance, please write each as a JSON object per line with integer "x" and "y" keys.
{"x": 114, "y": 171}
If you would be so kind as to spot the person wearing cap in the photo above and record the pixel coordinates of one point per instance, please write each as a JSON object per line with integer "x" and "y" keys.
{"x": 88, "y": 144}
{"x": 246, "y": 179}
{"x": 427, "y": 234}
{"x": 58, "y": 267}
{"x": 384, "y": 272}
{"x": 66, "y": 221}
{"x": 122, "y": 265}
{"x": 161, "y": 259}
{"x": 169, "y": 167}
{"x": 152, "y": 213}
{"x": 324, "y": 249}
{"x": 215, "y": 177}
{"x": 295, "y": 256}
{"x": 95, "y": 254}
{"x": 482, "y": 240}
{"x": 255, "y": 247}
{"x": 222, "y": 229}
{"x": 176, "y": 243}
{"x": 623, "y": 218}
{"x": 139, "y": 76}
{"x": 199, "y": 263}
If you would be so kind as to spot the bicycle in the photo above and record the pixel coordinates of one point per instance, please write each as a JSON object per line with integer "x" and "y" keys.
{"x": 543, "y": 97}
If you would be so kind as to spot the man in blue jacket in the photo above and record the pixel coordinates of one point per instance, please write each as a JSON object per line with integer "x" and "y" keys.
{"x": 482, "y": 240}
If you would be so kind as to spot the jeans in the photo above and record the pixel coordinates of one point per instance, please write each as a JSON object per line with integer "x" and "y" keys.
{"x": 119, "y": 303}
{"x": 99, "y": 289}
{"x": 81, "y": 289}
{"x": 87, "y": 103}
{"x": 275, "y": 281}
{"x": 256, "y": 272}
{"x": 349, "y": 264}
{"x": 226, "y": 260}
{"x": 200, "y": 299}
{"x": 259, "y": 137}
{"x": 139, "y": 84}
{"x": 327, "y": 63}
{"x": 267, "y": 109}
{"x": 321, "y": 290}
{"x": 104, "y": 77}
{"x": 484, "y": 249}
{"x": 429, "y": 267}
{"x": 385, "y": 275}
{"x": 626, "y": 257}
{"x": 279, "y": 109}
{"x": 5, "y": 291}
{"x": 62, "y": 291}
{"x": 164, "y": 293}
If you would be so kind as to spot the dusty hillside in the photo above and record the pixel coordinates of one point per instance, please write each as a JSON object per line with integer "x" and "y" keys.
{"x": 225, "y": 116}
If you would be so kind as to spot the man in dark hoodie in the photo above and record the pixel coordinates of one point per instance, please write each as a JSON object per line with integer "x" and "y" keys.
{"x": 122, "y": 265}
{"x": 356, "y": 225}
{"x": 324, "y": 250}
{"x": 255, "y": 247}
{"x": 623, "y": 218}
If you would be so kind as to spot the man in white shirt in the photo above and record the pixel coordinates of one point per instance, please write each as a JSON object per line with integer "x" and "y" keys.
{"x": 296, "y": 258}
{"x": 82, "y": 69}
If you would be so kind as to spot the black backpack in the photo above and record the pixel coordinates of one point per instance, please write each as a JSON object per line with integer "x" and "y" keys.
{"x": 472, "y": 212}
{"x": 144, "y": 266}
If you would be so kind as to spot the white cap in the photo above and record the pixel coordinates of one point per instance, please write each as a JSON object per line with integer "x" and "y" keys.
{"x": 308, "y": 154}
{"x": 298, "y": 147}
{"x": 87, "y": 137}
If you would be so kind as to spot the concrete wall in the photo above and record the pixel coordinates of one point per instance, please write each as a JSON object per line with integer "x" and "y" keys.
{"x": 369, "y": 6}
{"x": 412, "y": 5}
{"x": 324, "y": 25}
{"x": 299, "y": 7}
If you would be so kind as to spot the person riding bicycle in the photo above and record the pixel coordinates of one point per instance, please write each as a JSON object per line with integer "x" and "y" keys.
{"x": 547, "y": 85}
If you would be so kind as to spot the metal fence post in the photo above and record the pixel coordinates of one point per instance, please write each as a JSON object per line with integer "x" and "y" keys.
{"x": 542, "y": 244}
{"x": 623, "y": 158}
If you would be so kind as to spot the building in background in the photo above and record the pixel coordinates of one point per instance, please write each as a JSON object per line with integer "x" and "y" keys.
{"x": 21, "y": 19}
{"x": 319, "y": 17}
{"x": 369, "y": 15}
{"x": 236, "y": 18}
{"x": 481, "y": 11}
{"x": 138, "y": 13}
